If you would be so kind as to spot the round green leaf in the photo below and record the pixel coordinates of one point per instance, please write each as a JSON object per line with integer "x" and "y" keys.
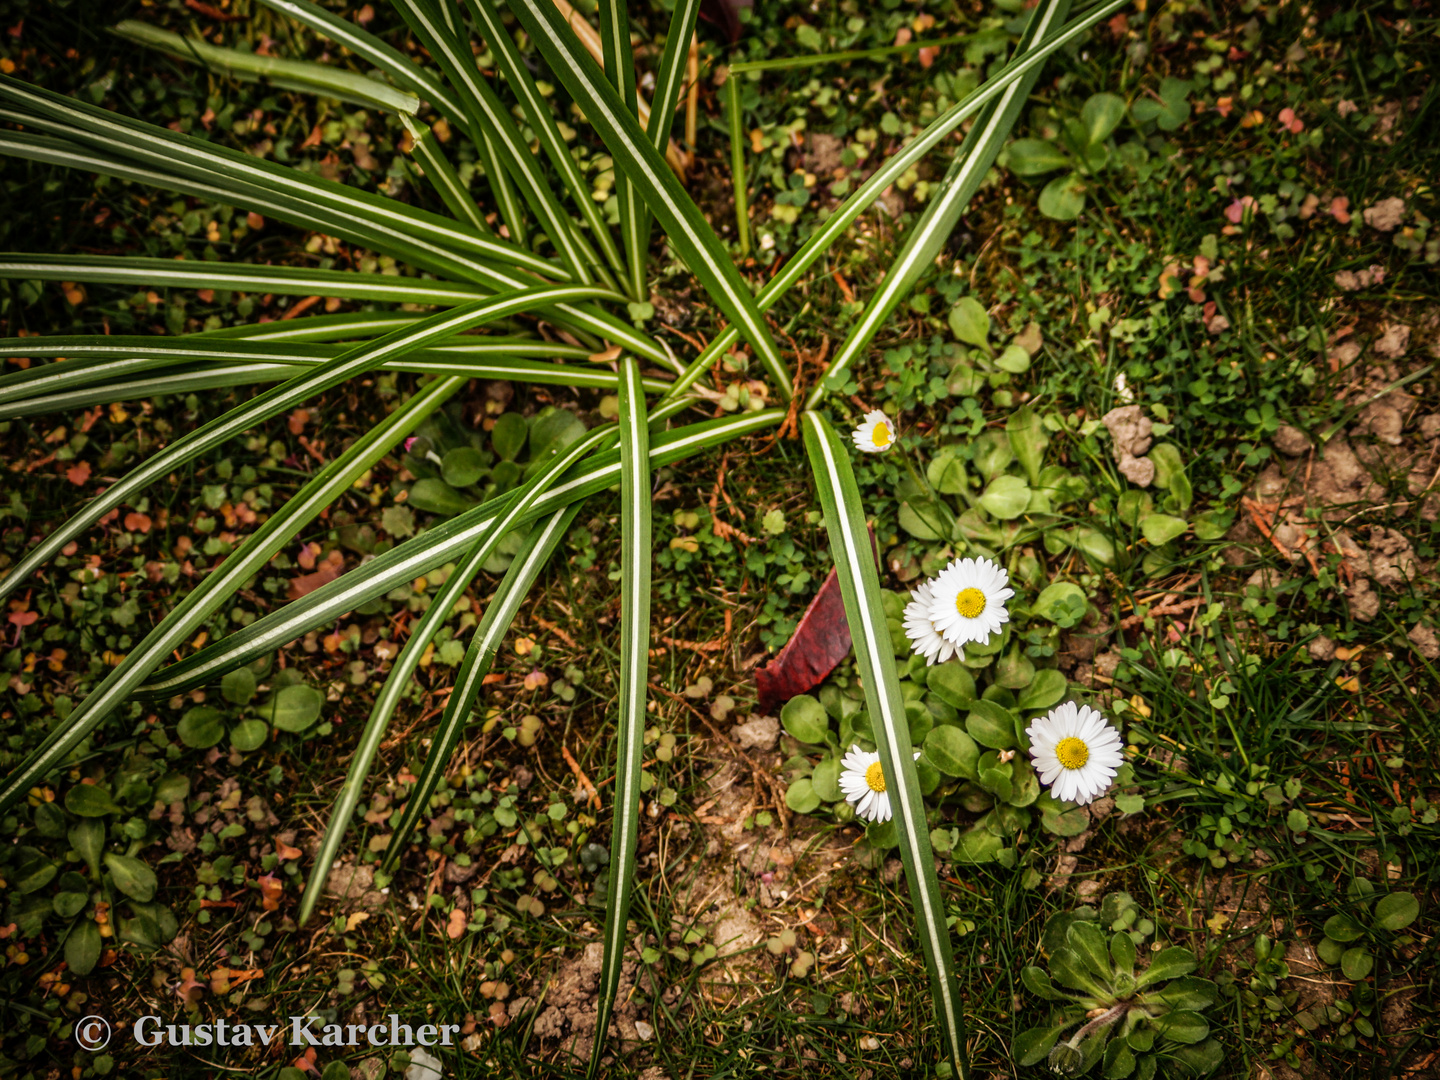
{"x": 90, "y": 801}
{"x": 464, "y": 465}
{"x": 805, "y": 719}
{"x": 238, "y": 686}
{"x": 1343, "y": 928}
{"x": 88, "y": 840}
{"x": 1047, "y": 688}
{"x": 1101, "y": 114}
{"x": 921, "y": 520}
{"x": 249, "y": 735}
{"x": 953, "y": 684}
{"x": 1397, "y": 911}
{"x": 970, "y": 322}
{"x": 1356, "y": 963}
{"x": 1006, "y": 497}
{"x": 1063, "y": 198}
{"x": 70, "y": 904}
{"x": 82, "y": 947}
{"x": 1013, "y": 359}
{"x": 131, "y": 876}
{"x": 200, "y": 728}
{"x": 295, "y": 707}
{"x": 826, "y": 780}
{"x": 991, "y": 725}
{"x": 508, "y": 435}
{"x": 1162, "y": 528}
{"x": 952, "y": 751}
{"x": 1182, "y": 1026}
{"x": 33, "y": 871}
{"x": 437, "y": 497}
{"x": 172, "y": 788}
{"x": 49, "y": 821}
{"x": 801, "y": 797}
{"x": 978, "y": 846}
{"x": 1034, "y": 157}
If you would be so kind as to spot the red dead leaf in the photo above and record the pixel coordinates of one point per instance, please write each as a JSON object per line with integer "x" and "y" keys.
{"x": 190, "y": 989}
{"x": 23, "y": 618}
{"x": 285, "y": 851}
{"x": 271, "y": 889}
{"x": 135, "y": 522}
{"x": 819, "y": 643}
{"x": 327, "y": 572}
{"x": 78, "y": 474}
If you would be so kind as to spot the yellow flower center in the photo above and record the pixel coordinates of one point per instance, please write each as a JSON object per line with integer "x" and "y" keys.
{"x": 970, "y": 603}
{"x": 1072, "y": 753}
{"x": 881, "y": 435}
{"x": 875, "y": 777}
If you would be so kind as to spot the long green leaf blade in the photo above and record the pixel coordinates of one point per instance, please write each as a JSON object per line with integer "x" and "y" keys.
{"x": 285, "y": 74}
{"x": 172, "y": 152}
{"x": 972, "y": 161}
{"x": 443, "y": 543}
{"x": 542, "y": 122}
{"x": 442, "y": 175}
{"x": 833, "y": 227}
{"x": 671, "y": 74}
{"x": 283, "y": 398}
{"x": 398, "y": 681}
{"x": 214, "y": 590}
{"x": 488, "y": 116}
{"x": 118, "y": 358}
{"x": 620, "y": 71}
{"x": 479, "y": 656}
{"x": 850, "y": 545}
{"x": 635, "y": 560}
{"x": 196, "y": 274}
{"x": 415, "y": 78}
{"x": 687, "y": 229}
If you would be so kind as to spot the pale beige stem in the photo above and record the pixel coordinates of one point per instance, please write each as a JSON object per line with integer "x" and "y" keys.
{"x": 590, "y": 38}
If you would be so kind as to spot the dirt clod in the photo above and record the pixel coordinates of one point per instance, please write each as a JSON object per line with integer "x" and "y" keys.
{"x": 1425, "y": 641}
{"x": 1291, "y": 440}
{"x": 1386, "y": 215}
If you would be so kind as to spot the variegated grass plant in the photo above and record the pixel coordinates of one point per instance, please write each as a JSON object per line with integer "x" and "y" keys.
{"x": 554, "y": 259}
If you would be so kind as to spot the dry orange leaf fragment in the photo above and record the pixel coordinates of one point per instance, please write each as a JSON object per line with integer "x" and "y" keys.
{"x": 455, "y": 928}
{"x": 78, "y": 474}
{"x": 607, "y": 355}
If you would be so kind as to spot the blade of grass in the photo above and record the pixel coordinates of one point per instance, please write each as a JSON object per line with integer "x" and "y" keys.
{"x": 971, "y": 162}
{"x": 488, "y": 116}
{"x": 173, "y": 153}
{"x": 539, "y": 543}
{"x": 833, "y": 227}
{"x": 301, "y": 75}
{"x": 398, "y": 681}
{"x": 619, "y": 68}
{"x": 688, "y": 232}
{"x": 738, "y": 182}
{"x": 118, "y": 358}
{"x": 542, "y": 122}
{"x": 442, "y": 176}
{"x": 415, "y": 78}
{"x": 197, "y": 274}
{"x": 215, "y": 589}
{"x": 635, "y": 566}
{"x": 850, "y": 544}
{"x": 667, "y": 91}
{"x": 306, "y": 214}
{"x": 187, "y": 380}
{"x": 351, "y": 363}
{"x": 442, "y": 543}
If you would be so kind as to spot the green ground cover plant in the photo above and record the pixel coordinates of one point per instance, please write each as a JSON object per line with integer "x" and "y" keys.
{"x": 422, "y": 675}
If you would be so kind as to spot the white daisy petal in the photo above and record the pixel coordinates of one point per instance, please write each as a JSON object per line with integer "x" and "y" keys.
{"x": 876, "y": 433}
{"x": 1075, "y": 751}
{"x": 967, "y": 602}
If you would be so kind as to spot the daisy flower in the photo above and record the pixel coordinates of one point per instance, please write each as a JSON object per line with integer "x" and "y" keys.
{"x": 1075, "y": 751}
{"x": 876, "y": 433}
{"x": 967, "y": 601}
{"x": 920, "y": 628}
{"x": 863, "y": 782}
